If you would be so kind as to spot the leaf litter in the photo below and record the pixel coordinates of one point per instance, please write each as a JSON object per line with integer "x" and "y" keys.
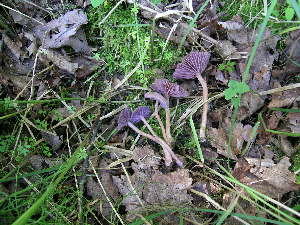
{"x": 153, "y": 180}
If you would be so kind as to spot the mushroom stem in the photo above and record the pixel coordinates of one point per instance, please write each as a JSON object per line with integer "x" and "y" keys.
{"x": 169, "y": 154}
{"x": 162, "y": 127}
{"x": 169, "y": 138}
{"x": 205, "y": 107}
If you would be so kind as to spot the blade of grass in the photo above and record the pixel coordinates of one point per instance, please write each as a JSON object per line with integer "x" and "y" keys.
{"x": 72, "y": 161}
{"x": 257, "y": 41}
{"x": 195, "y": 136}
{"x": 296, "y": 8}
{"x": 230, "y": 209}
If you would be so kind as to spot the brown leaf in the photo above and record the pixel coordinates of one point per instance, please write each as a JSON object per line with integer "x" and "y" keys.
{"x": 294, "y": 121}
{"x": 284, "y": 98}
{"x": 62, "y": 62}
{"x": 269, "y": 178}
{"x": 250, "y": 103}
{"x": 286, "y": 146}
{"x": 219, "y": 138}
{"x": 64, "y": 31}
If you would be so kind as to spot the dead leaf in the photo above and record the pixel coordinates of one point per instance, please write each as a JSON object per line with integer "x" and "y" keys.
{"x": 39, "y": 162}
{"x": 152, "y": 187}
{"x": 14, "y": 47}
{"x": 250, "y": 103}
{"x": 52, "y": 140}
{"x": 64, "y": 31}
{"x": 219, "y": 139}
{"x": 267, "y": 177}
{"x": 293, "y": 53}
{"x": 284, "y": 98}
{"x": 294, "y": 121}
{"x": 96, "y": 192}
{"x": 286, "y": 146}
{"x": 261, "y": 80}
{"x": 227, "y": 51}
{"x": 62, "y": 62}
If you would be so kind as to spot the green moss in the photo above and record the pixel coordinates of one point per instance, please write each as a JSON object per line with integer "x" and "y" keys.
{"x": 123, "y": 41}
{"x": 296, "y": 164}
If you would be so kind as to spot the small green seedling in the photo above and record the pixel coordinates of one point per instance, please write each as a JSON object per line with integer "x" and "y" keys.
{"x": 234, "y": 91}
{"x": 227, "y": 66}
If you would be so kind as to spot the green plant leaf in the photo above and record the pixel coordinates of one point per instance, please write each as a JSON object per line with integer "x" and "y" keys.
{"x": 289, "y": 13}
{"x": 96, "y": 3}
{"x": 235, "y": 88}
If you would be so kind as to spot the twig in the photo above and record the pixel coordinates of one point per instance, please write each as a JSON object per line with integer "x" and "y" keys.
{"x": 284, "y": 88}
{"x": 111, "y": 11}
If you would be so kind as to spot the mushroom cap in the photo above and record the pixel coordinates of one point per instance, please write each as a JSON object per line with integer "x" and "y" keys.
{"x": 168, "y": 88}
{"x": 139, "y": 113}
{"x": 124, "y": 118}
{"x": 158, "y": 97}
{"x": 192, "y": 65}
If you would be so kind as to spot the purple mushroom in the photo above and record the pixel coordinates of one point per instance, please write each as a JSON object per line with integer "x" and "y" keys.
{"x": 129, "y": 118}
{"x": 192, "y": 67}
{"x": 167, "y": 89}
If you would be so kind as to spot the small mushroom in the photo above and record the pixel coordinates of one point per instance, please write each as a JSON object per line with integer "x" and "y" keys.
{"x": 168, "y": 89}
{"x": 192, "y": 67}
{"x": 129, "y": 118}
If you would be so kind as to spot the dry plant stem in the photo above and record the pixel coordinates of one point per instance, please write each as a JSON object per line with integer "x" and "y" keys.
{"x": 169, "y": 154}
{"x": 205, "y": 107}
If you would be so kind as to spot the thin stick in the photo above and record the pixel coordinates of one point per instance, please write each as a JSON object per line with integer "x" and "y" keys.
{"x": 284, "y": 88}
{"x": 205, "y": 107}
{"x": 109, "y": 201}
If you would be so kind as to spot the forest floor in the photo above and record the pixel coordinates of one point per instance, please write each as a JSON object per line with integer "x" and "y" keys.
{"x": 149, "y": 112}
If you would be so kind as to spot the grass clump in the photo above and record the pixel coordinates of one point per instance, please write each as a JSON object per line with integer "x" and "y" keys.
{"x": 124, "y": 41}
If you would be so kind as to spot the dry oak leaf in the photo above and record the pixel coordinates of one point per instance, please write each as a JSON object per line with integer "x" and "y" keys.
{"x": 267, "y": 177}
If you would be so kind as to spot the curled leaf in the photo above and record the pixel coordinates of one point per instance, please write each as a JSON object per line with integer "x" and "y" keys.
{"x": 139, "y": 113}
{"x": 124, "y": 118}
{"x": 191, "y": 65}
{"x": 158, "y": 97}
{"x": 168, "y": 88}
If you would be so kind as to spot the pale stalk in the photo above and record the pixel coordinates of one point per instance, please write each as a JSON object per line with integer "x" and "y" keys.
{"x": 205, "y": 107}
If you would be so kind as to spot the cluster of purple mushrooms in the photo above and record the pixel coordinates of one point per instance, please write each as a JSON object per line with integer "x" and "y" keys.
{"x": 191, "y": 67}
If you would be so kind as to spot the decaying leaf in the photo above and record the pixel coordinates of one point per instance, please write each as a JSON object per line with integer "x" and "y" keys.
{"x": 14, "y": 47}
{"x": 249, "y": 104}
{"x": 62, "y": 62}
{"x": 64, "y": 31}
{"x": 219, "y": 139}
{"x": 284, "y": 98}
{"x": 294, "y": 121}
{"x": 267, "y": 177}
{"x": 52, "y": 140}
{"x": 96, "y": 192}
{"x": 286, "y": 146}
{"x": 151, "y": 186}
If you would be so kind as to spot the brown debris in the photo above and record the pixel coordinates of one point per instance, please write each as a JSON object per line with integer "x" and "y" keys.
{"x": 267, "y": 177}
{"x": 152, "y": 186}
{"x": 64, "y": 31}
